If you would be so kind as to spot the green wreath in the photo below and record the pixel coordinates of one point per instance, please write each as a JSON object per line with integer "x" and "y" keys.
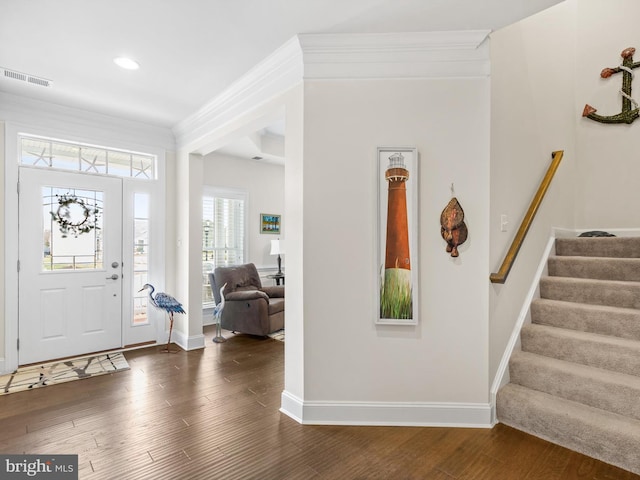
{"x": 62, "y": 215}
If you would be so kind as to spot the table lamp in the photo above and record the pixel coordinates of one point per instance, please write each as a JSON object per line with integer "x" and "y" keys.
{"x": 276, "y": 249}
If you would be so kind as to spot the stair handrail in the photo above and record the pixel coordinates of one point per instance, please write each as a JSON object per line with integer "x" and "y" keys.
{"x": 501, "y": 275}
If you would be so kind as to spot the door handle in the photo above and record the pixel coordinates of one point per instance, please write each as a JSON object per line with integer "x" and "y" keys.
{"x": 113, "y": 277}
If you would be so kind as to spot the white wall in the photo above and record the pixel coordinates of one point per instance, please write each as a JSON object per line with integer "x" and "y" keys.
{"x": 347, "y": 357}
{"x": 264, "y": 183}
{"x": 532, "y": 114}
{"x": 608, "y": 169}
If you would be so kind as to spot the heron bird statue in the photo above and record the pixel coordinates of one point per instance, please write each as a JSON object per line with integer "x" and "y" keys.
{"x": 168, "y": 304}
{"x": 217, "y": 314}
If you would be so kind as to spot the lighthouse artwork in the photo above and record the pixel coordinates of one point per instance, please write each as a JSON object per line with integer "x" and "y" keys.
{"x": 397, "y": 192}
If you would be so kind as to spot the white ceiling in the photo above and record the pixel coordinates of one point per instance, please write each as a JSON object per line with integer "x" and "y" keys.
{"x": 191, "y": 50}
{"x": 266, "y": 145}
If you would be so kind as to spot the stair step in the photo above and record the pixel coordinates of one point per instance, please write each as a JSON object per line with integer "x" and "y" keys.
{"x": 595, "y": 292}
{"x": 604, "y": 389}
{"x": 601, "y": 319}
{"x": 623, "y": 247}
{"x": 607, "y": 436}
{"x": 600, "y": 351}
{"x": 624, "y": 269}
{"x": 576, "y": 381}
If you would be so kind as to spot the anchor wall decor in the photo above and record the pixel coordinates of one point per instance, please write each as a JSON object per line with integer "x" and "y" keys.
{"x": 628, "y": 114}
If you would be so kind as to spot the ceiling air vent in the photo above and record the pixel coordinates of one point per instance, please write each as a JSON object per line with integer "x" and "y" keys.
{"x": 25, "y": 77}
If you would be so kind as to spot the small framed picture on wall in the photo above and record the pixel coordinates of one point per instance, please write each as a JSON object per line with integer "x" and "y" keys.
{"x": 270, "y": 223}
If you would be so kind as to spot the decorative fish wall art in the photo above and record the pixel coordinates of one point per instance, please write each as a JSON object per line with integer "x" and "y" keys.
{"x": 453, "y": 229}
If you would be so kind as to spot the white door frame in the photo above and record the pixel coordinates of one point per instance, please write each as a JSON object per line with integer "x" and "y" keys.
{"x": 156, "y": 188}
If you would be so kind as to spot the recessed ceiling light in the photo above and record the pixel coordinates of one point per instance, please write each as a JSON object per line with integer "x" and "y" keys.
{"x": 126, "y": 63}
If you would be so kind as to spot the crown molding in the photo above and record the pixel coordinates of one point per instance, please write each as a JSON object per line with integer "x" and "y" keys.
{"x": 91, "y": 126}
{"x": 273, "y": 76}
{"x": 339, "y": 56}
{"x": 396, "y": 55}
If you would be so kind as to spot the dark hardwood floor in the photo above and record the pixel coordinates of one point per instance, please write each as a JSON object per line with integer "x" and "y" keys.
{"x": 213, "y": 414}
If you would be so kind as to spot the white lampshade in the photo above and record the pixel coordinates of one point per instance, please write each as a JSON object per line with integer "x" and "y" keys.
{"x": 277, "y": 247}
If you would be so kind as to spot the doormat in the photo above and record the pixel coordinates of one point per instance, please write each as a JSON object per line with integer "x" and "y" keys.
{"x": 278, "y": 335}
{"x": 51, "y": 373}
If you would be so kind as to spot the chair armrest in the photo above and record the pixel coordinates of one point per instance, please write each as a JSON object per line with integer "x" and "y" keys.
{"x": 274, "y": 292}
{"x": 246, "y": 295}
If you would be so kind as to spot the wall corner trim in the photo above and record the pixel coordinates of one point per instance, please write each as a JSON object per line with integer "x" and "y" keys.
{"x": 193, "y": 342}
{"x": 292, "y": 406}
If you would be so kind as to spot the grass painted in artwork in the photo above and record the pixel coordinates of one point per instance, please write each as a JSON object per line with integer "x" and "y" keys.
{"x": 396, "y": 295}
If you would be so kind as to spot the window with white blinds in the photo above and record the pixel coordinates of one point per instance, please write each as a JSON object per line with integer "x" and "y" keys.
{"x": 223, "y": 233}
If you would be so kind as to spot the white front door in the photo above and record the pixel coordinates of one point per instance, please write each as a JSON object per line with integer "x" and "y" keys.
{"x": 70, "y": 253}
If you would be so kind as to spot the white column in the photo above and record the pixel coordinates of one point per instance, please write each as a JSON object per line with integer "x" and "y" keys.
{"x": 188, "y": 270}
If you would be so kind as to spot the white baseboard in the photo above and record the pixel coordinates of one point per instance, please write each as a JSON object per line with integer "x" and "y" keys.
{"x": 193, "y": 342}
{"x": 291, "y": 406}
{"x": 618, "y": 232}
{"x": 565, "y": 232}
{"x": 2, "y": 370}
{"x": 387, "y": 413}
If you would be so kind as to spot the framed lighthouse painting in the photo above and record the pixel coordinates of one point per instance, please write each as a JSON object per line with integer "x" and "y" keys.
{"x": 397, "y": 236}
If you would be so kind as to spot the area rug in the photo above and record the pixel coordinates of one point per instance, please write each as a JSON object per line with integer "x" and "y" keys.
{"x": 278, "y": 335}
{"x": 43, "y": 375}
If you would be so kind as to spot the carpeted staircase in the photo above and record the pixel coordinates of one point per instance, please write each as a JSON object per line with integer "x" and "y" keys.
{"x": 576, "y": 381}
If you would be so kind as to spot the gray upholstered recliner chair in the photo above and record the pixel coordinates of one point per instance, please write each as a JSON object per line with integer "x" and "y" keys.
{"x": 249, "y": 307}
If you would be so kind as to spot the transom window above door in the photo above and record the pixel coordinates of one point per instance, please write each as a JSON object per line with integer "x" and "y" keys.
{"x": 49, "y": 153}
